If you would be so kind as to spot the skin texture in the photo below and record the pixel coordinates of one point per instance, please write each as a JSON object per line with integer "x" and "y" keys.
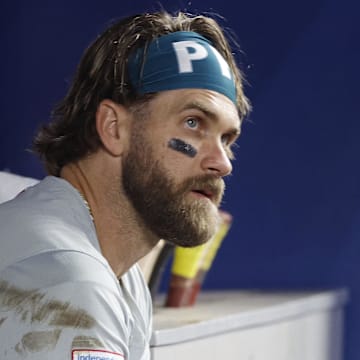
{"x": 112, "y": 186}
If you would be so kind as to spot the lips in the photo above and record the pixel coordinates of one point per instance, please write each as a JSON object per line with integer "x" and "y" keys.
{"x": 211, "y": 192}
{"x": 205, "y": 193}
{"x": 206, "y": 187}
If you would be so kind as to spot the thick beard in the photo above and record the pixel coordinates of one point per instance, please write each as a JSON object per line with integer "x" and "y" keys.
{"x": 165, "y": 208}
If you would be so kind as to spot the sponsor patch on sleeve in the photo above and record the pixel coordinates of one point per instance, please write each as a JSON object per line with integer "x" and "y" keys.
{"x": 84, "y": 354}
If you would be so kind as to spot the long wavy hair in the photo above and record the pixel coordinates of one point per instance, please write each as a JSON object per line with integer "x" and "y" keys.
{"x": 102, "y": 74}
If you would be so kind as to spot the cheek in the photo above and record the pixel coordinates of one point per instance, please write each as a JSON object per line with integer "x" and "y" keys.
{"x": 177, "y": 165}
{"x": 182, "y": 147}
{"x": 177, "y": 155}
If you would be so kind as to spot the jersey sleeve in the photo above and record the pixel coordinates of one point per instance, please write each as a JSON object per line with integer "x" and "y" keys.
{"x": 67, "y": 306}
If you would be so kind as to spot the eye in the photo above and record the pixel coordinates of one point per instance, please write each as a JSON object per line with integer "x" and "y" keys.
{"x": 229, "y": 151}
{"x": 226, "y": 139}
{"x": 192, "y": 123}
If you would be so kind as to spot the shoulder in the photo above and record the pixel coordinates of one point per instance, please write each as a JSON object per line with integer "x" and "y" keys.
{"x": 12, "y": 184}
{"x": 46, "y": 217}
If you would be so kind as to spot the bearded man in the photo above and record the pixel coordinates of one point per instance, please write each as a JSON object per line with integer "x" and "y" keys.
{"x": 136, "y": 152}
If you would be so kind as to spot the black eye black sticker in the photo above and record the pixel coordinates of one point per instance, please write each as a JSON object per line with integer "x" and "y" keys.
{"x": 183, "y": 147}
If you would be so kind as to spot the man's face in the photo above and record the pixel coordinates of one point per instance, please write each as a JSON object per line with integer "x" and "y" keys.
{"x": 177, "y": 193}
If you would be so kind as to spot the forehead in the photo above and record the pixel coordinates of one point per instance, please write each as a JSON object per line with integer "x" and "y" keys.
{"x": 211, "y": 103}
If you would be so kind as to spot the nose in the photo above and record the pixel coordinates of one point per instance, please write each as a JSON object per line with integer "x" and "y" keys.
{"x": 216, "y": 161}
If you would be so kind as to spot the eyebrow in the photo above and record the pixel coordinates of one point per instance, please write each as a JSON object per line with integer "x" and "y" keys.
{"x": 209, "y": 113}
{"x": 201, "y": 107}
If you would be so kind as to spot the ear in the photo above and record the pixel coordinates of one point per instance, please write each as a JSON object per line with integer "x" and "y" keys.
{"x": 112, "y": 124}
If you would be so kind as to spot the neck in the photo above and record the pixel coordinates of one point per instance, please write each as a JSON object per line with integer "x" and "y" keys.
{"x": 122, "y": 236}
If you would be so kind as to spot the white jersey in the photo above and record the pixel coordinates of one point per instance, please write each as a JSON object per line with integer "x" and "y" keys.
{"x": 59, "y": 298}
{"x": 11, "y": 184}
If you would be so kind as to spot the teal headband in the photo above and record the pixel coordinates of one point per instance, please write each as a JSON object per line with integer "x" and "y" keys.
{"x": 180, "y": 60}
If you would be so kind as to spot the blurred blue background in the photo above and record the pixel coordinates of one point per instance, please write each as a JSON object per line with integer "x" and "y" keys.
{"x": 294, "y": 194}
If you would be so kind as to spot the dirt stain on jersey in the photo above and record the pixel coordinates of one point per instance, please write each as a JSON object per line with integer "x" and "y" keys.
{"x": 33, "y": 306}
{"x": 36, "y": 341}
{"x": 86, "y": 342}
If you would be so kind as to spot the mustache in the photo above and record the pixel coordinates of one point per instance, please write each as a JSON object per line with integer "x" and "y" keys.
{"x": 207, "y": 183}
